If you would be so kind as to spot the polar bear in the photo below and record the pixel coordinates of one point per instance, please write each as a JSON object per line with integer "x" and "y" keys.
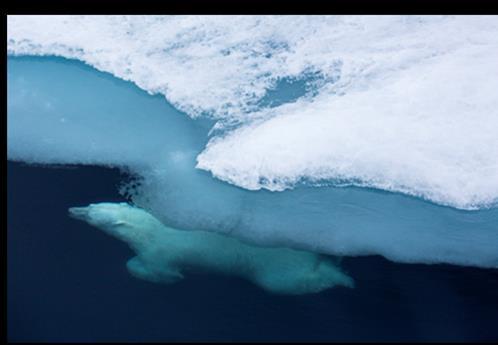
{"x": 165, "y": 254}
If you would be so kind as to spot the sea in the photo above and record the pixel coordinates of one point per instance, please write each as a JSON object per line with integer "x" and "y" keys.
{"x": 282, "y": 133}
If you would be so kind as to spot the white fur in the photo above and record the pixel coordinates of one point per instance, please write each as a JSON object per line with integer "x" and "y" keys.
{"x": 165, "y": 254}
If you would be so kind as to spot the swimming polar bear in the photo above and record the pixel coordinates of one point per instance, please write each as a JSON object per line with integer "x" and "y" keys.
{"x": 165, "y": 254}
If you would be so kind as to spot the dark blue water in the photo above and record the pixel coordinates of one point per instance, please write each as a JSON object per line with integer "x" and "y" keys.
{"x": 67, "y": 281}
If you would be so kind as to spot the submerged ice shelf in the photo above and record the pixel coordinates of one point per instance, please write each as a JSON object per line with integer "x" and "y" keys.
{"x": 64, "y": 112}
